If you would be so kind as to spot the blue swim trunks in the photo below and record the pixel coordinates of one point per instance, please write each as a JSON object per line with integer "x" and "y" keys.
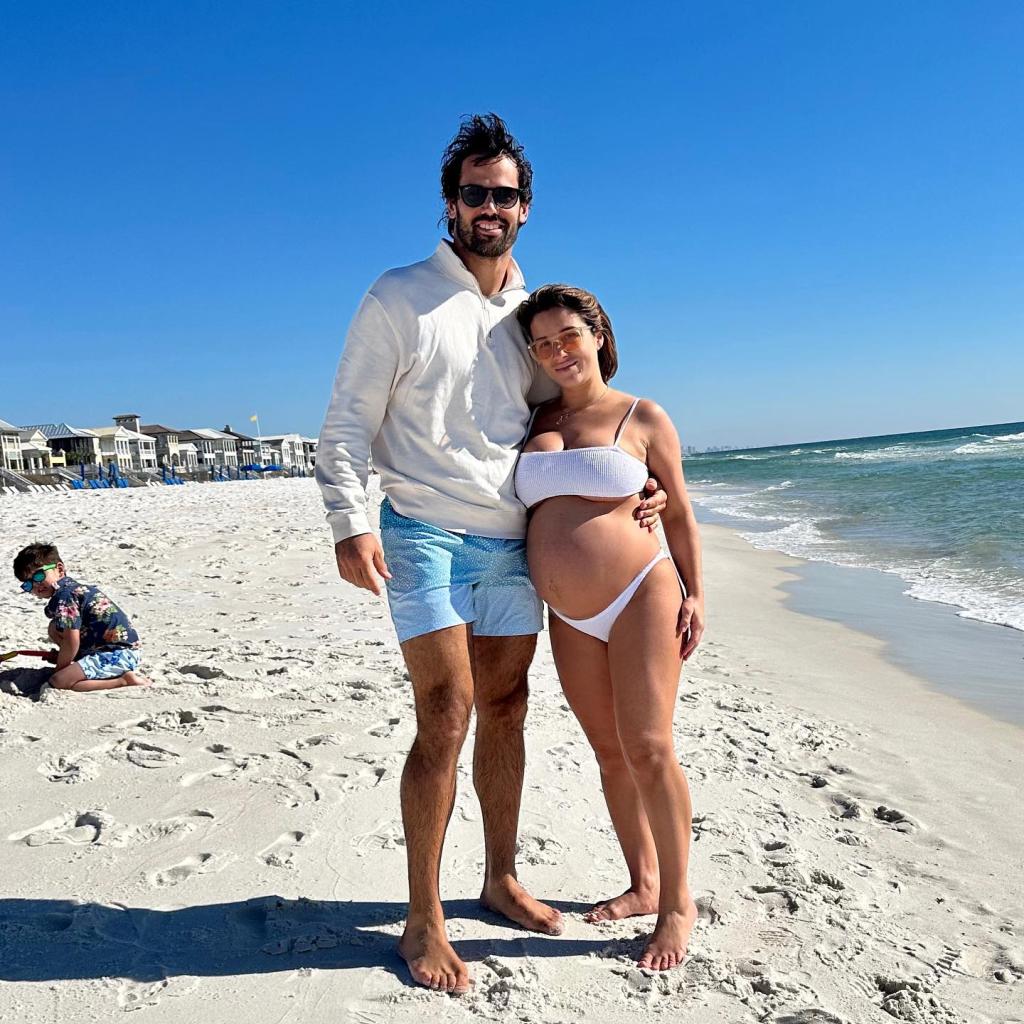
{"x": 441, "y": 579}
{"x": 109, "y": 664}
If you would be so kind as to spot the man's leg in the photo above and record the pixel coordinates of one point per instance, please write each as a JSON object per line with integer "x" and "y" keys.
{"x": 442, "y": 681}
{"x": 499, "y": 758}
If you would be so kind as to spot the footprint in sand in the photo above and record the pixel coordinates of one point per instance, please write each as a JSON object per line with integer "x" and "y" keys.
{"x": 200, "y": 864}
{"x": 384, "y": 730}
{"x": 283, "y": 770}
{"x": 281, "y": 852}
{"x": 78, "y": 828}
{"x": 900, "y": 822}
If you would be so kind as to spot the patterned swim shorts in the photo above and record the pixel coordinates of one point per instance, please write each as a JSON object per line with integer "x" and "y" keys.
{"x": 109, "y": 664}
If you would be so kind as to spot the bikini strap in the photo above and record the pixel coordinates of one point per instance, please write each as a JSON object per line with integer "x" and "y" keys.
{"x": 625, "y": 420}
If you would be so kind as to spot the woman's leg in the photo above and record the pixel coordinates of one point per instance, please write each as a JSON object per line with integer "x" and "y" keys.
{"x": 644, "y": 663}
{"x": 582, "y": 663}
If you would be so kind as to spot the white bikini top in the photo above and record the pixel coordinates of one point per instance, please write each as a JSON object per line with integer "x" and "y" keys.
{"x": 601, "y": 471}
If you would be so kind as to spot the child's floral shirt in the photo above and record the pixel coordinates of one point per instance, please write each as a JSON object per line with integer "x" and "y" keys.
{"x": 103, "y": 626}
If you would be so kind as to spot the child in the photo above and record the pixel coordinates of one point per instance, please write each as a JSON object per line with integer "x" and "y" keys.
{"x": 98, "y": 648}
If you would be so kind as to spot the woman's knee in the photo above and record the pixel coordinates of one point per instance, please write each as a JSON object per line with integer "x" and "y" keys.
{"x": 649, "y": 756}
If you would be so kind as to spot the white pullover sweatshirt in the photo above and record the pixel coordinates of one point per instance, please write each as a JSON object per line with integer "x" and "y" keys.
{"x": 433, "y": 383}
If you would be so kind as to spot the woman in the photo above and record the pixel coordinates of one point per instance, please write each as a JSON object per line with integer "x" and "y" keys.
{"x": 621, "y": 625}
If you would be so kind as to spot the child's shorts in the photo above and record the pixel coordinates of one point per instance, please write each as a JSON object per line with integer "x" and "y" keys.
{"x": 109, "y": 664}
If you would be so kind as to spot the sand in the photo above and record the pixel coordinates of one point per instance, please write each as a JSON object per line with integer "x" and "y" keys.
{"x": 226, "y": 845}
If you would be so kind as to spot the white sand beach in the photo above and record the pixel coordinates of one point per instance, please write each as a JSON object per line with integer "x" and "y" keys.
{"x": 226, "y": 845}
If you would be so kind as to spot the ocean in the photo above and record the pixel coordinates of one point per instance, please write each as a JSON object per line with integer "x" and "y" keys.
{"x": 943, "y": 510}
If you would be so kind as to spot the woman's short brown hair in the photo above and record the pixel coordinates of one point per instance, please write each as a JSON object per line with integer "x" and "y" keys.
{"x": 586, "y": 307}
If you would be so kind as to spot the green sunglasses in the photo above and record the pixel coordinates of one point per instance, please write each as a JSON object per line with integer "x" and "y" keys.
{"x": 38, "y": 576}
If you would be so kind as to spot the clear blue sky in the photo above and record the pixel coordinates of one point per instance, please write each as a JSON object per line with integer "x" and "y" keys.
{"x": 805, "y": 219}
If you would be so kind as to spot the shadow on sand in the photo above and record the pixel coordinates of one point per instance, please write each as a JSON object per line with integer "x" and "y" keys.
{"x": 54, "y": 940}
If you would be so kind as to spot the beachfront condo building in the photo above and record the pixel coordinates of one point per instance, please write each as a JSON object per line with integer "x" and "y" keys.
{"x": 251, "y": 450}
{"x": 77, "y": 445}
{"x": 10, "y": 447}
{"x": 168, "y": 451}
{"x": 36, "y": 454}
{"x": 215, "y": 448}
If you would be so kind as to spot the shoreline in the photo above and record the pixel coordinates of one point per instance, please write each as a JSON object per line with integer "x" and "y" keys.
{"x": 228, "y": 841}
{"x": 979, "y": 663}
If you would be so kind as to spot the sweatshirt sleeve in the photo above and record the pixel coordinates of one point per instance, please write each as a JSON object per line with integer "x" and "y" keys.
{"x": 362, "y": 386}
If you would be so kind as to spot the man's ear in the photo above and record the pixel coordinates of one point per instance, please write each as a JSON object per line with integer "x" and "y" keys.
{"x": 524, "y": 212}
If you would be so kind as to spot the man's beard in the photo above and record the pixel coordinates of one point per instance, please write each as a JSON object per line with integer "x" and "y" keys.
{"x": 489, "y": 248}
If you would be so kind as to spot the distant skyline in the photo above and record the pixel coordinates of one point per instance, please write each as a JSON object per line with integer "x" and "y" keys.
{"x": 805, "y": 220}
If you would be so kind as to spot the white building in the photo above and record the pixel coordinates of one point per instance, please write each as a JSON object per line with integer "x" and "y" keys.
{"x": 10, "y": 447}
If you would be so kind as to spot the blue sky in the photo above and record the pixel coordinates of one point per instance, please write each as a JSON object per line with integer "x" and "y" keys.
{"x": 805, "y": 219}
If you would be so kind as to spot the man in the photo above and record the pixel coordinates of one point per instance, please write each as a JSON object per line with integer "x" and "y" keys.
{"x": 435, "y": 383}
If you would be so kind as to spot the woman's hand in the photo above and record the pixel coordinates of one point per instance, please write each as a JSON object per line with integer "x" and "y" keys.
{"x": 653, "y": 504}
{"x": 691, "y": 617}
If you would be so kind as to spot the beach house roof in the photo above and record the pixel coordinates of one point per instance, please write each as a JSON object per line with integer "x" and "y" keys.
{"x": 53, "y": 431}
{"x": 8, "y": 428}
{"x": 238, "y": 434}
{"x": 209, "y": 434}
{"x": 158, "y": 428}
{"x": 121, "y": 431}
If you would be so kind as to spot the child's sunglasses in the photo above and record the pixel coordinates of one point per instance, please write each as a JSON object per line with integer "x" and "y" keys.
{"x": 505, "y": 197}
{"x": 38, "y": 576}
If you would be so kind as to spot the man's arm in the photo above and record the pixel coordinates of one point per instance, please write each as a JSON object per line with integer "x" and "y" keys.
{"x": 359, "y": 401}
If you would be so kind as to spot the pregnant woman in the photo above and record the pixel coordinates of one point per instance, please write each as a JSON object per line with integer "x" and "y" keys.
{"x": 620, "y": 625}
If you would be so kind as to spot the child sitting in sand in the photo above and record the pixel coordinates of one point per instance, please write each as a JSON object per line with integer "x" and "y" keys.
{"x": 97, "y": 646}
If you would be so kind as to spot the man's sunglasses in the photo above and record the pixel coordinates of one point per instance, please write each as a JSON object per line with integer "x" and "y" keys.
{"x": 37, "y": 577}
{"x": 505, "y": 197}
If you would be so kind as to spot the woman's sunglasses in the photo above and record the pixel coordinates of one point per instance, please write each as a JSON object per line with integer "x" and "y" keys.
{"x": 568, "y": 341}
{"x": 505, "y": 197}
{"x": 38, "y": 576}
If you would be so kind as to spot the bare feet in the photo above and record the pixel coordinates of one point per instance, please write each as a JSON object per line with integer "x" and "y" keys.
{"x": 671, "y": 935}
{"x": 632, "y": 903}
{"x": 507, "y": 897}
{"x": 431, "y": 959}
{"x": 134, "y": 679}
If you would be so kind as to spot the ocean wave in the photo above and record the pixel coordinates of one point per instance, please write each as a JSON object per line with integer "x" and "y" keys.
{"x": 896, "y": 451}
{"x": 1000, "y": 445}
{"x": 780, "y": 487}
{"x": 1000, "y": 602}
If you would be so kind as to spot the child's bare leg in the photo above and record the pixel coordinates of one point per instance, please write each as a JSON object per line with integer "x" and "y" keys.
{"x": 73, "y": 678}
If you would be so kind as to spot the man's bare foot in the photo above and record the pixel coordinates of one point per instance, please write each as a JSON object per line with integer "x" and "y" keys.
{"x": 432, "y": 961}
{"x": 134, "y": 679}
{"x": 668, "y": 943}
{"x": 507, "y": 897}
{"x": 632, "y": 903}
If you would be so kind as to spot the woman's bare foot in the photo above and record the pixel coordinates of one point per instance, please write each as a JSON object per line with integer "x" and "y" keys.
{"x": 507, "y": 897}
{"x": 671, "y": 935}
{"x": 432, "y": 961}
{"x": 631, "y": 903}
{"x": 134, "y": 679}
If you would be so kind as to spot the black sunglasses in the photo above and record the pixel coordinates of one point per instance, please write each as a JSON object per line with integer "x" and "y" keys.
{"x": 505, "y": 197}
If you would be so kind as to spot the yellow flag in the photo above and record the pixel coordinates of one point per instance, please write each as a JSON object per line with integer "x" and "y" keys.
{"x": 254, "y": 419}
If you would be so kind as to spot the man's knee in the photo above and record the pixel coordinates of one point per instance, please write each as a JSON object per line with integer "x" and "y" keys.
{"x": 505, "y": 704}
{"x": 442, "y": 718}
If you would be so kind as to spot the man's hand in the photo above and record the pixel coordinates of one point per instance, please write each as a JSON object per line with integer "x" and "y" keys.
{"x": 361, "y": 561}
{"x": 648, "y": 511}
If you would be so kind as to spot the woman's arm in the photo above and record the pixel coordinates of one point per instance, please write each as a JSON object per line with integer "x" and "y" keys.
{"x": 665, "y": 460}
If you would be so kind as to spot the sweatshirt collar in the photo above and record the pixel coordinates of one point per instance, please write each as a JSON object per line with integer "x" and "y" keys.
{"x": 447, "y": 261}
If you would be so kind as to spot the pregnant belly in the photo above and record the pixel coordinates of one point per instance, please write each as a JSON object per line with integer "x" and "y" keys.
{"x": 584, "y": 553}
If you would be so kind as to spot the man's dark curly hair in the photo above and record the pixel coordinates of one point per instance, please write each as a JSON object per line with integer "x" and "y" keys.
{"x": 482, "y": 138}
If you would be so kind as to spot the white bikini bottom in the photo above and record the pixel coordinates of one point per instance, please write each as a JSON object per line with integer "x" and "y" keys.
{"x": 600, "y": 625}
